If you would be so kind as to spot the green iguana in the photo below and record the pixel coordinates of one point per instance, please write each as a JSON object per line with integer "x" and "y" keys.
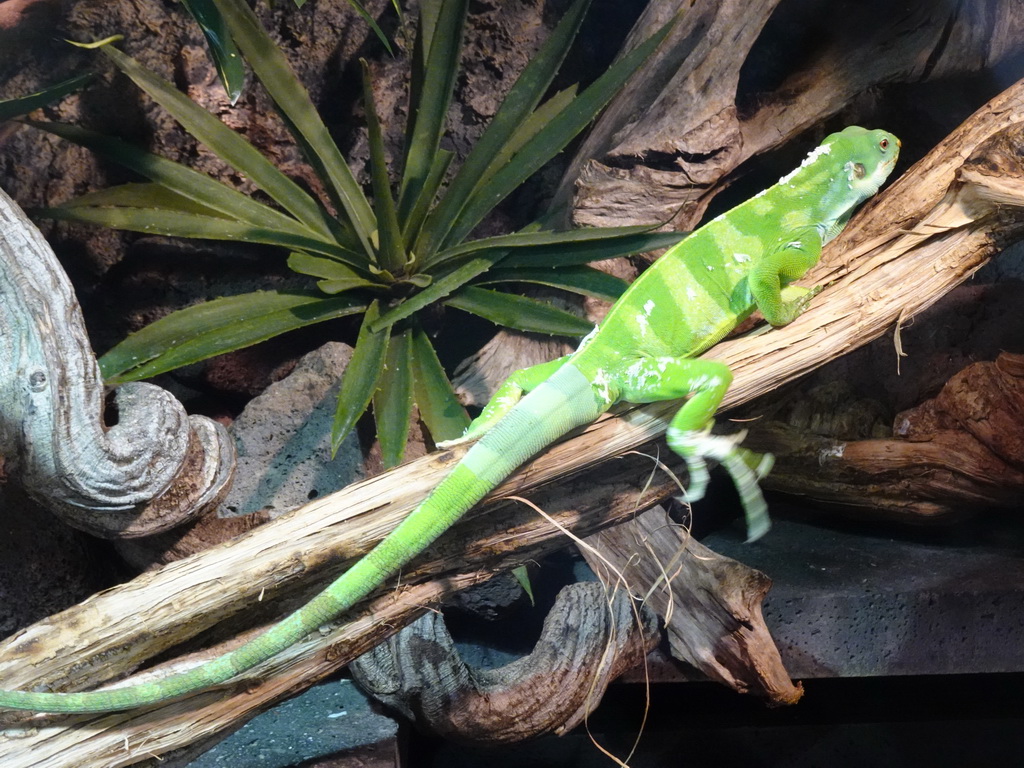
{"x": 643, "y": 351}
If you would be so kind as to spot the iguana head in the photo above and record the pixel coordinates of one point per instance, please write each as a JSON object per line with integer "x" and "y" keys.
{"x": 866, "y": 158}
{"x": 844, "y": 171}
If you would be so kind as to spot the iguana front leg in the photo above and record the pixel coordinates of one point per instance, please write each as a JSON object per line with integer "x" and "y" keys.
{"x": 779, "y": 302}
{"x": 704, "y": 383}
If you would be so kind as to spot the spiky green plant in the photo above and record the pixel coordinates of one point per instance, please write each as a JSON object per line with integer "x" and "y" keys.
{"x": 387, "y": 260}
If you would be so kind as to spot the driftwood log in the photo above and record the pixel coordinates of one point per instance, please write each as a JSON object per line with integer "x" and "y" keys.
{"x": 590, "y": 637}
{"x": 644, "y": 422}
{"x": 675, "y": 138}
{"x": 711, "y": 603}
{"x": 884, "y": 268}
{"x": 680, "y": 132}
{"x": 948, "y": 458}
{"x": 153, "y": 467}
{"x": 187, "y": 597}
{"x": 975, "y": 208}
{"x": 692, "y": 115}
{"x": 980, "y": 214}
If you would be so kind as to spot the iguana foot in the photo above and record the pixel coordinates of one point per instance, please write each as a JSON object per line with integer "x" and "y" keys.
{"x": 744, "y": 466}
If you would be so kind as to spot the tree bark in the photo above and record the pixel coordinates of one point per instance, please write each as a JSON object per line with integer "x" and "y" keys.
{"x": 154, "y": 468}
{"x": 590, "y": 637}
{"x": 677, "y": 135}
{"x": 104, "y": 637}
{"x": 672, "y": 139}
{"x": 711, "y": 603}
{"x": 949, "y": 458}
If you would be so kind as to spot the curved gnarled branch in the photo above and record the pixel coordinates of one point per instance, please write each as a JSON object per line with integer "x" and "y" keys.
{"x": 588, "y": 640}
{"x": 151, "y": 470}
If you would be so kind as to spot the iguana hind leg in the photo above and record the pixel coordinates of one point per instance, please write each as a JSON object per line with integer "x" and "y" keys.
{"x": 505, "y": 398}
{"x": 704, "y": 382}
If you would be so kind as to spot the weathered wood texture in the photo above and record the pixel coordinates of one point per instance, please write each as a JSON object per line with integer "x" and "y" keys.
{"x": 285, "y": 559}
{"x": 948, "y": 458}
{"x": 153, "y": 468}
{"x": 872, "y": 291}
{"x": 678, "y": 134}
{"x": 711, "y": 603}
{"x": 590, "y": 637}
{"x": 692, "y": 115}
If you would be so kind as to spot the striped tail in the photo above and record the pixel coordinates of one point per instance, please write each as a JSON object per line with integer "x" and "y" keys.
{"x": 562, "y": 403}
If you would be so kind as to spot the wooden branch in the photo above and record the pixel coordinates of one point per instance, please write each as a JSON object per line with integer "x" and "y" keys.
{"x": 672, "y": 137}
{"x": 419, "y": 672}
{"x": 885, "y": 268}
{"x": 711, "y": 603}
{"x": 950, "y": 457}
{"x": 154, "y": 468}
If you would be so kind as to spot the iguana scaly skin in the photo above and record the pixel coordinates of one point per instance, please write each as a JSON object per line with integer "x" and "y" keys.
{"x": 642, "y": 352}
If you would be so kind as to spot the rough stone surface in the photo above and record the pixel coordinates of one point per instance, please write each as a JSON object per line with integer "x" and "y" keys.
{"x": 859, "y": 602}
{"x": 331, "y": 719}
{"x": 283, "y": 439}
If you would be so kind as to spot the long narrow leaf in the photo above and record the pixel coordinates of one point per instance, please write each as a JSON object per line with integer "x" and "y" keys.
{"x": 552, "y": 138}
{"x": 516, "y": 108}
{"x": 178, "y": 178}
{"x": 529, "y": 128}
{"x": 372, "y": 22}
{"x": 24, "y": 104}
{"x": 430, "y": 11}
{"x": 432, "y": 105}
{"x": 392, "y": 402}
{"x": 270, "y": 66}
{"x": 340, "y": 285}
{"x": 136, "y": 195}
{"x": 228, "y": 145}
{"x": 326, "y": 268}
{"x": 523, "y": 242}
{"x": 427, "y": 21}
{"x": 215, "y": 327}
{"x": 344, "y": 230}
{"x": 389, "y": 233}
{"x": 519, "y": 312}
{"x": 335, "y": 277}
{"x": 362, "y": 373}
{"x": 438, "y": 289}
{"x": 583, "y": 280}
{"x": 222, "y": 47}
{"x": 439, "y": 408}
{"x": 569, "y": 254}
{"x": 415, "y": 212}
{"x": 171, "y": 223}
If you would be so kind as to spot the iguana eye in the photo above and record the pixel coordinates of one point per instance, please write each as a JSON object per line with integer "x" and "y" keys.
{"x": 859, "y": 170}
